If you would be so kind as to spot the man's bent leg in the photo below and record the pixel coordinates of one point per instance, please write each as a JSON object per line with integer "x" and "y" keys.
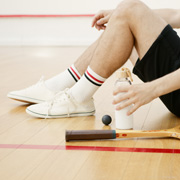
{"x": 84, "y": 60}
{"x": 116, "y": 45}
{"x": 134, "y": 56}
{"x": 132, "y": 23}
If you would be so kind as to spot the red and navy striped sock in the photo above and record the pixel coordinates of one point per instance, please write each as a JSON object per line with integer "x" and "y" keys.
{"x": 84, "y": 89}
{"x": 74, "y": 73}
{"x": 93, "y": 77}
{"x": 65, "y": 79}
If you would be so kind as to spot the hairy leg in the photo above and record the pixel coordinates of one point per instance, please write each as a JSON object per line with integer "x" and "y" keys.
{"x": 131, "y": 24}
{"x": 84, "y": 60}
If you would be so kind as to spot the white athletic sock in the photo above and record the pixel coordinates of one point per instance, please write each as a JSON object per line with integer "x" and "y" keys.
{"x": 87, "y": 85}
{"x": 63, "y": 80}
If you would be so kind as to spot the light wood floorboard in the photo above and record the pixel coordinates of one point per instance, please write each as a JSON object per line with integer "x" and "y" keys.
{"x": 21, "y": 67}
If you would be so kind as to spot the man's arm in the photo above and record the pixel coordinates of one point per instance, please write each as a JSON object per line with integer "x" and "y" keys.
{"x": 140, "y": 94}
{"x": 171, "y": 16}
{"x": 167, "y": 84}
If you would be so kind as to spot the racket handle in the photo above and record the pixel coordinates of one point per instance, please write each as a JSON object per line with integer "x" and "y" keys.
{"x": 89, "y": 134}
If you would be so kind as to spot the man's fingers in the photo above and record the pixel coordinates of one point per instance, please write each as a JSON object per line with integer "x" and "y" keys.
{"x": 94, "y": 22}
{"x": 100, "y": 27}
{"x": 97, "y": 27}
{"x": 133, "y": 109}
{"x": 103, "y": 27}
{"x": 102, "y": 21}
{"x": 120, "y": 89}
{"x": 119, "y": 98}
{"x": 124, "y": 104}
{"x": 96, "y": 18}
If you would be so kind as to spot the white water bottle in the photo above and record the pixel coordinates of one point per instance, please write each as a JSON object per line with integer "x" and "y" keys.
{"x": 123, "y": 121}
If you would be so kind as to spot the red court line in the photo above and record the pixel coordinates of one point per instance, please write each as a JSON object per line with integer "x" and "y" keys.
{"x": 88, "y": 148}
{"x": 43, "y": 15}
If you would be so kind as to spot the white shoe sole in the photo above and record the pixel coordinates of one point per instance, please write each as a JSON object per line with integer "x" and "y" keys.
{"x": 38, "y": 115}
{"x": 24, "y": 99}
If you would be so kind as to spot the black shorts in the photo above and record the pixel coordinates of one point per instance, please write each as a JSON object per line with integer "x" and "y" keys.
{"x": 162, "y": 58}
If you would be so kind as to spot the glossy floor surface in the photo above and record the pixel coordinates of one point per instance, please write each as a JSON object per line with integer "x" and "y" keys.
{"x": 35, "y": 149}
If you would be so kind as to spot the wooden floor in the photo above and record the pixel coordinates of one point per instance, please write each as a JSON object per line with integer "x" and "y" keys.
{"x": 35, "y": 149}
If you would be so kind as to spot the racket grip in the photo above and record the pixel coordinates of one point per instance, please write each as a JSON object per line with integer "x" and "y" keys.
{"x": 89, "y": 134}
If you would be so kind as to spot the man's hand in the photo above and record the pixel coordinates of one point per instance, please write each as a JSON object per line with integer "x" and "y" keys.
{"x": 137, "y": 95}
{"x": 101, "y": 19}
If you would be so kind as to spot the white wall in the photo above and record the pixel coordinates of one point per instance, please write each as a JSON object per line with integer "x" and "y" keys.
{"x": 56, "y": 31}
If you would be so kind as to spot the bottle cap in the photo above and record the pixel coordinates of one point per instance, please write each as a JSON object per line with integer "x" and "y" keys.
{"x": 124, "y": 73}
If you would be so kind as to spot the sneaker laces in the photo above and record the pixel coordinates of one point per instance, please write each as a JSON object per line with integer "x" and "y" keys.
{"x": 58, "y": 98}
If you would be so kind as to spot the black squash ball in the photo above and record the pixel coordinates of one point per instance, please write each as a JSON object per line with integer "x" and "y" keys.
{"x": 106, "y": 119}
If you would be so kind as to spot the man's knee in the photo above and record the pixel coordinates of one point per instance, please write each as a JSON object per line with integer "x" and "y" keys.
{"x": 128, "y": 8}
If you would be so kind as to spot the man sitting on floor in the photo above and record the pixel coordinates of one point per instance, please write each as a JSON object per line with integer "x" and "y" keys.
{"x": 132, "y": 25}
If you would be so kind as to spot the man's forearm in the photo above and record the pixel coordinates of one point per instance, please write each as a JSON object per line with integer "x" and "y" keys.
{"x": 171, "y": 16}
{"x": 166, "y": 84}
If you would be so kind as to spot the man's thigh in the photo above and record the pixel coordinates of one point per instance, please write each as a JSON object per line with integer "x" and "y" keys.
{"x": 146, "y": 26}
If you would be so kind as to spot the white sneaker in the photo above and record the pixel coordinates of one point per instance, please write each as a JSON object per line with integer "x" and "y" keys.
{"x": 34, "y": 94}
{"x": 62, "y": 105}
